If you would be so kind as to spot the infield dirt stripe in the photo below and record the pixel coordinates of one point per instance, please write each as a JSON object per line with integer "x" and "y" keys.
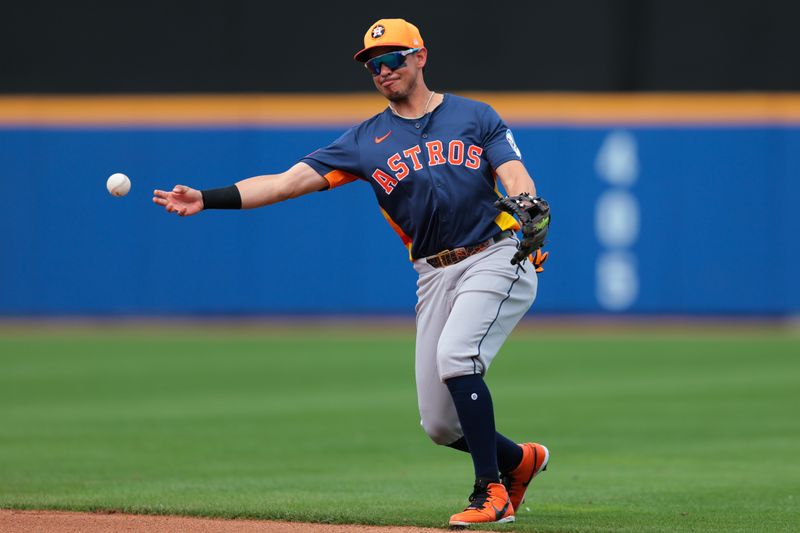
{"x": 12, "y": 521}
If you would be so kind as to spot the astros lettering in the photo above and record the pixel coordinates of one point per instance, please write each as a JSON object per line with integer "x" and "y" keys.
{"x": 448, "y": 155}
{"x": 435, "y": 155}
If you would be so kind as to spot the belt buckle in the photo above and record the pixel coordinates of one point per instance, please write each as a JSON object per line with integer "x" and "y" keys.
{"x": 451, "y": 257}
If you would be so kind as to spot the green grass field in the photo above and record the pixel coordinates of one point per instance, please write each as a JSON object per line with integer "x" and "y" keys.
{"x": 650, "y": 431}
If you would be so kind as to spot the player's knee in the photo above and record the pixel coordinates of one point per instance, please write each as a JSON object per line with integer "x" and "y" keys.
{"x": 455, "y": 357}
{"x": 441, "y": 433}
{"x": 446, "y": 347}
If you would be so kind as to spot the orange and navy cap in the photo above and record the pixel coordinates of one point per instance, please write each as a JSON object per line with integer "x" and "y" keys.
{"x": 390, "y": 32}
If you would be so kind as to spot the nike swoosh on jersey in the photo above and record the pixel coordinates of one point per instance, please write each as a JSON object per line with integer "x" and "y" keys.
{"x": 379, "y": 140}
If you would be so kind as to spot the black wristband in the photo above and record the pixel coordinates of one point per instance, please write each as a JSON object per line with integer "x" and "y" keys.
{"x": 224, "y": 198}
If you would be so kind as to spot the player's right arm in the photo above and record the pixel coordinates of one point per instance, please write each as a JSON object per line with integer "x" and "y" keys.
{"x": 257, "y": 191}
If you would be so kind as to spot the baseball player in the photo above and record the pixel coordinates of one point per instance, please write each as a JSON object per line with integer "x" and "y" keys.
{"x": 433, "y": 160}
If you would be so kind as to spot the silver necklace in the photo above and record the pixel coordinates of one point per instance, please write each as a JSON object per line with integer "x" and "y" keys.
{"x": 424, "y": 111}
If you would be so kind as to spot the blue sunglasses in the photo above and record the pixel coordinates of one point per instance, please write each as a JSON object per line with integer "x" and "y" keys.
{"x": 393, "y": 60}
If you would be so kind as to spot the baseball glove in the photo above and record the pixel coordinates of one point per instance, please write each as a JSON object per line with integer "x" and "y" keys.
{"x": 534, "y": 219}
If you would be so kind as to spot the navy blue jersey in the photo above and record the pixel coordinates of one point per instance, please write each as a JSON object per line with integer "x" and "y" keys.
{"x": 434, "y": 177}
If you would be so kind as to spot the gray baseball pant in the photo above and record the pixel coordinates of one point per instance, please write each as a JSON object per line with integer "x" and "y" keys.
{"x": 464, "y": 312}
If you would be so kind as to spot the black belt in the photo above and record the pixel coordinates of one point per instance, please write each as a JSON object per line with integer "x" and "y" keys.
{"x": 451, "y": 257}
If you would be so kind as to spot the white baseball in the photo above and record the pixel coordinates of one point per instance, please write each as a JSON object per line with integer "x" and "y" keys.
{"x": 118, "y": 184}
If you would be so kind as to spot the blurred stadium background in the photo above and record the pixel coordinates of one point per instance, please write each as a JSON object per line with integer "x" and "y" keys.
{"x": 666, "y": 135}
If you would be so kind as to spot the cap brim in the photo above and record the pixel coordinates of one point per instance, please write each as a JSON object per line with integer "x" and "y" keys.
{"x": 362, "y": 55}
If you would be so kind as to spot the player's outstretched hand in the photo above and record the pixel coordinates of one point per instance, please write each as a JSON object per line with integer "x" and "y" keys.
{"x": 182, "y": 200}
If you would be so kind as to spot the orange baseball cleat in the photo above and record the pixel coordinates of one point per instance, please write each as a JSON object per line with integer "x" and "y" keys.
{"x": 489, "y": 504}
{"x": 534, "y": 460}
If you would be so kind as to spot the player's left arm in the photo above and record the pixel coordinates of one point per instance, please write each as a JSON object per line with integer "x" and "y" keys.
{"x": 532, "y": 212}
{"x": 515, "y": 178}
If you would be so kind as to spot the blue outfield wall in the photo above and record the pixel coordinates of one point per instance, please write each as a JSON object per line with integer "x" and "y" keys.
{"x": 688, "y": 219}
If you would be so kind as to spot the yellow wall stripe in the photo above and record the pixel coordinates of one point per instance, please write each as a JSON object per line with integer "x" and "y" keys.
{"x": 347, "y": 109}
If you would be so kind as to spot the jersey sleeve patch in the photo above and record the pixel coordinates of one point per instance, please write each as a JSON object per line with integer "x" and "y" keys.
{"x": 499, "y": 143}
{"x": 513, "y": 143}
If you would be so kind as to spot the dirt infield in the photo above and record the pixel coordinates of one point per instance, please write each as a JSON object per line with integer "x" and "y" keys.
{"x": 12, "y": 521}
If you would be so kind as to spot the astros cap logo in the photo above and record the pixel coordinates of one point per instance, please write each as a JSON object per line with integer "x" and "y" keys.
{"x": 390, "y": 32}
